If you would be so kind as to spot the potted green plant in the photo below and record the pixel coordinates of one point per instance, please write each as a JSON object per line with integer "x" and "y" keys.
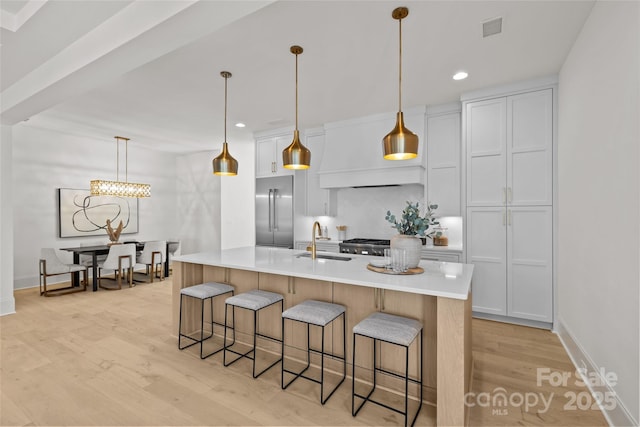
{"x": 411, "y": 227}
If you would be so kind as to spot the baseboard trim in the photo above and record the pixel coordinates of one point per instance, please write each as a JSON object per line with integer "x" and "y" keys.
{"x": 7, "y": 306}
{"x": 513, "y": 320}
{"x": 618, "y": 415}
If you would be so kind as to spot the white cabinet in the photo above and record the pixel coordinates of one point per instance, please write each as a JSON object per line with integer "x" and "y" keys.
{"x": 435, "y": 255}
{"x": 318, "y": 201}
{"x": 509, "y": 143}
{"x": 509, "y": 193}
{"x": 511, "y": 249}
{"x": 269, "y": 156}
{"x": 443, "y": 162}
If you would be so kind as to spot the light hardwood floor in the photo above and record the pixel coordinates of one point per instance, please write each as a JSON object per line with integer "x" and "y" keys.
{"x": 109, "y": 358}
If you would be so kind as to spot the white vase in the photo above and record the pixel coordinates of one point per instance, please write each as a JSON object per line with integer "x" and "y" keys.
{"x": 412, "y": 246}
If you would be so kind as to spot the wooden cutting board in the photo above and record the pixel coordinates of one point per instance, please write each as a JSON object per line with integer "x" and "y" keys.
{"x": 417, "y": 270}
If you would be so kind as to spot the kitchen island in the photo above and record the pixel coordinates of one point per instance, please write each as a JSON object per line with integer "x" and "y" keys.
{"x": 440, "y": 298}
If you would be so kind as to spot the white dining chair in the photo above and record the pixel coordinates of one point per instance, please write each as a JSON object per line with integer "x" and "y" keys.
{"x": 120, "y": 259}
{"x": 87, "y": 260}
{"x": 152, "y": 257}
{"x": 52, "y": 265}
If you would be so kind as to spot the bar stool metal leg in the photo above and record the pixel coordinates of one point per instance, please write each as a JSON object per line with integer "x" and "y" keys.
{"x": 254, "y": 301}
{"x": 321, "y": 314}
{"x": 382, "y": 327}
{"x": 203, "y": 292}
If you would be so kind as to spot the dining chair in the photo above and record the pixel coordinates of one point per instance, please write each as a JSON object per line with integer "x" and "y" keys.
{"x": 52, "y": 265}
{"x": 120, "y": 259}
{"x": 87, "y": 260}
{"x": 152, "y": 257}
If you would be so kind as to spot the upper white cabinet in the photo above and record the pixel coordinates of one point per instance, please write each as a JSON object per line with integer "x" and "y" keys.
{"x": 509, "y": 150}
{"x": 269, "y": 155}
{"x": 318, "y": 201}
{"x": 443, "y": 161}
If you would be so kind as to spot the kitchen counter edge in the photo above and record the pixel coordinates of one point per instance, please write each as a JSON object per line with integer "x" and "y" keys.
{"x": 440, "y": 279}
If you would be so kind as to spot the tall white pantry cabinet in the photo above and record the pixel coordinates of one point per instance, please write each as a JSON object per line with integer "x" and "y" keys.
{"x": 509, "y": 203}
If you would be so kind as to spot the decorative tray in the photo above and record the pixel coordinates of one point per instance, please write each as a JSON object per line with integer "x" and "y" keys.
{"x": 417, "y": 270}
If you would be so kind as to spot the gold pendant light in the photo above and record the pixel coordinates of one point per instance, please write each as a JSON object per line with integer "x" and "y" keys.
{"x": 225, "y": 164}
{"x": 400, "y": 143}
{"x": 296, "y": 155}
{"x": 101, "y": 187}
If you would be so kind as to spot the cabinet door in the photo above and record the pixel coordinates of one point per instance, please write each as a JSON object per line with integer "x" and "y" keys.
{"x": 530, "y": 272}
{"x": 486, "y": 250}
{"x": 360, "y": 301}
{"x": 265, "y": 149}
{"x": 486, "y": 152}
{"x": 392, "y": 357}
{"x": 270, "y": 319}
{"x": 309, "y": 289}
{"x": 529, "y": 148}
{"x": 443, "y": 163}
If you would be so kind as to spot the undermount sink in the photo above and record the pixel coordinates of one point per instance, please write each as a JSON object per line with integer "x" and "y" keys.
{"x": 324, "y": 256}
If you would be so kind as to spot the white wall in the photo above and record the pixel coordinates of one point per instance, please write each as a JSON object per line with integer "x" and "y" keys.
{"x": 216, "y": 212}
{"x": 198, "y": 203}
{"x": 7, "y": 302}
{"x": 45, "y": 160}
{"x": 599, "y": 200}
{"x": 237, "y": 198}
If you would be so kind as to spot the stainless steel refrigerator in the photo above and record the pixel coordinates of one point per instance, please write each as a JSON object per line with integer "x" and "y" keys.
{"x": 274, "y": 211}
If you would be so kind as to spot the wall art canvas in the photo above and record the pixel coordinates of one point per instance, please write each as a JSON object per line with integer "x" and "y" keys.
{"x": 81, "y": 214}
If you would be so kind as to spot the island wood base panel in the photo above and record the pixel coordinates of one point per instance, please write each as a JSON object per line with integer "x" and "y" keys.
{"x": 447, "y": 328}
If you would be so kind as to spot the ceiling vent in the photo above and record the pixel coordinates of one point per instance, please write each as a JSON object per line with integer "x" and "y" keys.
{"x": 491, "y": 27}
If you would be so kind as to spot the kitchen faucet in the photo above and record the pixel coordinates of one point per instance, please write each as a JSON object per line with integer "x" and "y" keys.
{"x": 312, "y": 248}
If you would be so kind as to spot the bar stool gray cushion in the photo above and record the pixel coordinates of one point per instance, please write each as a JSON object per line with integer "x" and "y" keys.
{"x": 315, "y": 312}
{"x": 388, "y": 327}
{"x": 254, "y": 300}
{"x": 206, "y": 290}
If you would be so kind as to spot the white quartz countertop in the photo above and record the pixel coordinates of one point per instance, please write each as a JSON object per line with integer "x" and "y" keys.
{"x": 441, "y": 279}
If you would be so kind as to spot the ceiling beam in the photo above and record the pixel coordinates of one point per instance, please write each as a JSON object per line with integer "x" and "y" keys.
{"x": 138, "y": 34}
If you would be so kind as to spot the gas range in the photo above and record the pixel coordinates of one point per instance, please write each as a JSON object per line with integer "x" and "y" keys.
{"x": 374, "y": 247}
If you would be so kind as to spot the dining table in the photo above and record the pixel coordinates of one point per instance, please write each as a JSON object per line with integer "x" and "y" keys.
{"x": 96, "y": 250}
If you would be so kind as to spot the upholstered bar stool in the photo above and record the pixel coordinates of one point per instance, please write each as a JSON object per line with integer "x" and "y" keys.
{"x": 254, "y": 300}
{"x": 317, "y": 313}
{"x": 396, "y": 330}
{"x": 203, "y": 292}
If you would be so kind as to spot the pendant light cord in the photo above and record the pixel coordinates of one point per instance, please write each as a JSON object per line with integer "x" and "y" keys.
{"x": 225, "y": 109}
{"x": 400, "y": 67}
{"x": 296, "y": 91}
{"x": 117, "y": 159}
{"x": 126, "y": 160}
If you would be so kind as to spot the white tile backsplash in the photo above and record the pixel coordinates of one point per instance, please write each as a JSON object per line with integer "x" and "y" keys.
{"x": 363, "y": 210}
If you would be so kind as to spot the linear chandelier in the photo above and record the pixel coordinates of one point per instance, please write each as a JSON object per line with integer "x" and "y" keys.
{"x": 100, "y": 187}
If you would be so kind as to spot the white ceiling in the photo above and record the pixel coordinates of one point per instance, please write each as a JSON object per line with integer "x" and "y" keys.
{"x": 164, "y": 90}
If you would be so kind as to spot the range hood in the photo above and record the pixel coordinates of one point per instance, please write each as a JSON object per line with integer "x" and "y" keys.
{"x": 353, "y": 152}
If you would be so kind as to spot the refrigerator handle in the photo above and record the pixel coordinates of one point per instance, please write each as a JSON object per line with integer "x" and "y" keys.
{"x": 270, "y": 190}
{"x": 275, "y": 205}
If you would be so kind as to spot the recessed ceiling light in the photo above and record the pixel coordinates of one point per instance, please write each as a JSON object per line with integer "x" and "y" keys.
{"x": 240, "y": 125}
{"x": 460, "y": 75}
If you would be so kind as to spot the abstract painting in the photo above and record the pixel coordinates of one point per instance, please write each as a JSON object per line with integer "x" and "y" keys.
{"x": 81, "y": 214}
